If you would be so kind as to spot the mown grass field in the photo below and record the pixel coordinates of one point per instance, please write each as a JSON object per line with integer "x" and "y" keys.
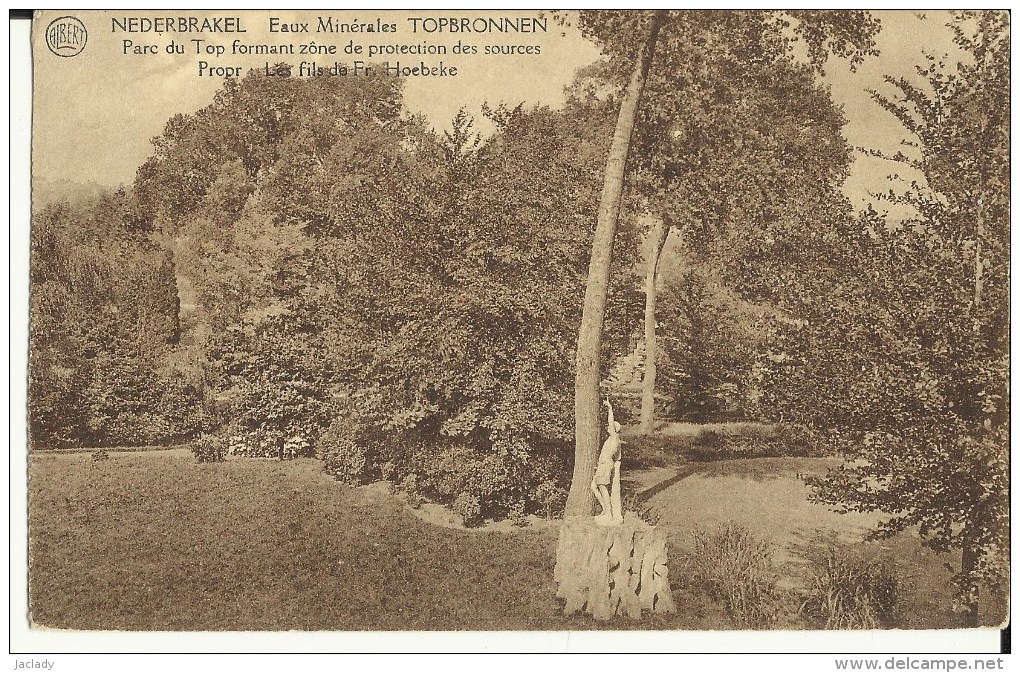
{"x": 157, "y": 541}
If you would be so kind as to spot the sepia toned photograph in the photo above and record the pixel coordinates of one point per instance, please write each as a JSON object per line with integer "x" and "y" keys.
{"x": 476, "y": 320}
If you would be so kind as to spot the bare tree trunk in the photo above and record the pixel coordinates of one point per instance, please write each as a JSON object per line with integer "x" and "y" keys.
{"x": 969, "y": 561}
{"x": 978, "y": 266}
{"x": 580, "y": 501}
{"x": 979, "y": 229}
{"x": 657, "y": 234}
{"x": 969, "y": 585}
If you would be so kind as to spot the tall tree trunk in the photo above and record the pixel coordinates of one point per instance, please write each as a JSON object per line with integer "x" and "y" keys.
{"x": 969, "y": 561}
{"x": 979, "y": 225}
{"x": 657, "y": 234}
{"x": 969, "y": 585}
{"x": 580, "y": 501}
{"x": 978, "y": 264}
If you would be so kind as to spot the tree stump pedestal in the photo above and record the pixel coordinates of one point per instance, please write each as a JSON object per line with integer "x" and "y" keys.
{"x": 614, "y": 569}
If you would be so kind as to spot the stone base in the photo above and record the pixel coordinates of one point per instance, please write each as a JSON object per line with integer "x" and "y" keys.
{"x": 612, "y": 570}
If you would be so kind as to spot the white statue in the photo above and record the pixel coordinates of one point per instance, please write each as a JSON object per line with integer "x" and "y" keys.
{"x": 606, "y": 482}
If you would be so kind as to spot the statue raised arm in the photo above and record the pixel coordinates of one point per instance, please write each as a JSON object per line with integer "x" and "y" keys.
{"x": 606, "y": 482}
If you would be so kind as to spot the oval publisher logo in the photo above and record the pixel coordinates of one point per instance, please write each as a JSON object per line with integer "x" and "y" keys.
{"x": 66, "y": 36}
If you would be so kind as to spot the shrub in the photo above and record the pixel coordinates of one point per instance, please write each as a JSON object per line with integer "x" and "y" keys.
{"x": 732, "y": 565}
{"x": 346, "y": 462}
{"x": 755, "y": 446}
{"x": 505, "y": 479}
{"x": 849, "y": 591}
{"x": 253, "y": 444}
{"x": 237, "y": 445}
{"x": 388, "y": 470}
{"x": 209, "y": 448}
{"x": 444, "y": 472}
{"x": 469, "y": 508}
{"x": 712, "y": 445}
{"x": 343, "y": 456}
{"x": 409, "y": 485}
{"x": 100, "y": 455}
{"x": 262, "y": 443}
{"x": 713, "y": 439}
{"x": 268, "y": 379}
{"x": 797, "y": 440}
{"x": 551, "y": 498}
{"x": 787, "y": 440}
{"x": 518, "y": 513}
{"x": 179, "y": 412}
{"x": 296, "y": 446}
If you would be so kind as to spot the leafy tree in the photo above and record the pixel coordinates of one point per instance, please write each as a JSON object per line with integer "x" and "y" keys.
{"x": 463, "y": 302}
{"x": 589, "y": 341}
{"x": 735, "y": 187}
{"x": 238, "y": 187}
{"x": 904, "y": 349}
{"x": 412, "y": 283}
{"x": 706, "y": 349}
{"x": 730, "y": 46}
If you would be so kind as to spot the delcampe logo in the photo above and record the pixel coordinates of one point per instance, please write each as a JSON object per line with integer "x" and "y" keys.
{"x": 66, "y": 36}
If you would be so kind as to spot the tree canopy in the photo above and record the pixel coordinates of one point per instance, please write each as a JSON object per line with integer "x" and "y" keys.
{"x": 905, "y": 363}
{"x": 351, "y": 263}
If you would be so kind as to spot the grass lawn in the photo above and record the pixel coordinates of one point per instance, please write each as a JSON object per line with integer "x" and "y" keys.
{"x": 157, "y": 541}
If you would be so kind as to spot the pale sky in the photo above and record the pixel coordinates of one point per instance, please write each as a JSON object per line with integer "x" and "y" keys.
{"x": 95, "y": 113}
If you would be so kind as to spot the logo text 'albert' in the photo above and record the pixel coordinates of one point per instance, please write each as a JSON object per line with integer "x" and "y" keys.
{"x": 66, "y": 36}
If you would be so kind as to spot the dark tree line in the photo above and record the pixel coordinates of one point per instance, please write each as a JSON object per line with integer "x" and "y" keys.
{"x": 104, "y": 325}
{"x": 353, "y": 269}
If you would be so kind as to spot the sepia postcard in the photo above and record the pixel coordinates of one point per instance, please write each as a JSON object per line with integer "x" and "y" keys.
{"x": 514, "y": 321}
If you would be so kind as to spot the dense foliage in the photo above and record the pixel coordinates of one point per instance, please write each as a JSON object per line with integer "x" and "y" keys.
{"x": 889, "y": 335}
{"x": 400, "y": 298}
{"x": 104, "y": 327}
{"x": 742, "y": 166}
{"x": 905, "y": 363}
{"x": 404, "y": 302}
{"x": 707, "y": 351}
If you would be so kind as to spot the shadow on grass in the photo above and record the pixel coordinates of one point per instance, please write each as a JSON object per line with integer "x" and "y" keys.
{"x": 643, "y": 495}
{"x": 150, "y": 542}
{"x": 768, "y": 469}
{"x": 678, "y": 443}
